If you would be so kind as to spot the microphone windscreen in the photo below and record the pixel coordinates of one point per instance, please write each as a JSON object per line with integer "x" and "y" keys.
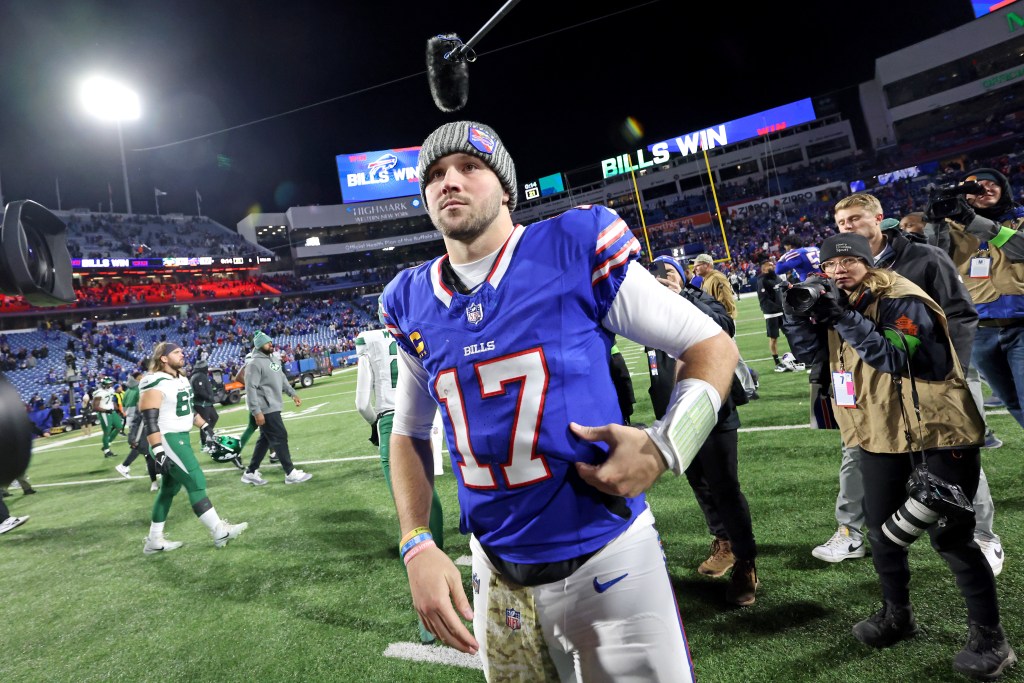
{"x": 449, "y": 80}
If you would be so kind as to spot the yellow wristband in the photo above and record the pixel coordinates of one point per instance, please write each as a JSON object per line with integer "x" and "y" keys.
{"x": 412, "y": 534}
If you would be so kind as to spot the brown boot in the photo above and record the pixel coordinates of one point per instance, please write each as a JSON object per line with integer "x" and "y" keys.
{"x": 742, "y": 584}
{"x": 720, "y": 561}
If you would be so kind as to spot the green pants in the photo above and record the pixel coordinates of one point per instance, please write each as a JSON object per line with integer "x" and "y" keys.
{"x": 436, "y": 514}
{"x": 111, "y": 424}
{"x": 190, "y": 476}
{"x": 249, "y": 430}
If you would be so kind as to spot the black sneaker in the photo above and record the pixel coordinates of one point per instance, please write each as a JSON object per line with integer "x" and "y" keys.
{"x": 887, "y": 626}
{"x": 986, "y": 654}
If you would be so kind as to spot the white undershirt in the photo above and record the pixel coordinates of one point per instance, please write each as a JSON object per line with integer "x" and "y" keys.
{"x": 643, "y": 310}
{"x": 473, "y": 274}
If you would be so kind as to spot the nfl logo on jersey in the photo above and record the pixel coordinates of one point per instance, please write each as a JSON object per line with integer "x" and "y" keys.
{"x": 475, "y": 313}
{"x": 513, "y": 619}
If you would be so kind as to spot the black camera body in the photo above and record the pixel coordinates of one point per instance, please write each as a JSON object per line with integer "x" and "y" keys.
{"x": 944, "y": 199}
{"x": 931, "y": 499}
{"x": 34, "y": 263}
{"x": 801, "y": 297}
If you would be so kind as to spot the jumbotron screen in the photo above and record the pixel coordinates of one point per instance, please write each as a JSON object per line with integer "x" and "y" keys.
{"x": 384, "y": 174}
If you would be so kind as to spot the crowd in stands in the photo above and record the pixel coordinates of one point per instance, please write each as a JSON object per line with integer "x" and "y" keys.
{"x": 103, "y": 235}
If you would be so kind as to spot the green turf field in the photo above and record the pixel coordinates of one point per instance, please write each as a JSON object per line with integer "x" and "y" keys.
{"x": 314, "y": 590}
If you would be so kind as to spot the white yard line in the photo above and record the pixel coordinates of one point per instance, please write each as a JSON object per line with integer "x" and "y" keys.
{"x": 433, "y": 654}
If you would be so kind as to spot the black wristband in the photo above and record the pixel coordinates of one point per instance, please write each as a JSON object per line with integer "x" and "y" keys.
{"x": 151, "y": 419}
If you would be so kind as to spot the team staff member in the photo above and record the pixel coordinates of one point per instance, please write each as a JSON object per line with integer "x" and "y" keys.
{"x": 882, "y": 326}
{"x": 168, "y": 415}
{"x": 983, "y": 235}
{"x": 714, "y": 283}
{"x": 264, "y": 384}
{"x": 105, "y": 403}
{"x": 509, "y": 333}
{"x": 136, "y": 433}
{"x": 376, "y": 379}
{"x": 713, "y": 474}
{"x": 769, "y": 297}
{"x": 203, "y": 391}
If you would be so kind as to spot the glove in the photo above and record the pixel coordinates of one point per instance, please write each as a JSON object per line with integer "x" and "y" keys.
{"x": 374, "y": 435}
{"x": 160, "y": 459}
{"x": 206, "y": 434}
{"x": 828, "y": 310}
{"x": 955, "y": 209}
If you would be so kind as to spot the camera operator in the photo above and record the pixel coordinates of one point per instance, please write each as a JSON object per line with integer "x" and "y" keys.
{"x": 982, "y": 234}
{"x": 932, "y": 271}
{"x": 900, "y": 396}
{"x": 713, "y": 474}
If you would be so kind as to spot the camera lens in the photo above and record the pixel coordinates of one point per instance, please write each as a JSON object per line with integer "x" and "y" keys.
{"x": 801, "y": 298}
{"x": 38, "y": 260}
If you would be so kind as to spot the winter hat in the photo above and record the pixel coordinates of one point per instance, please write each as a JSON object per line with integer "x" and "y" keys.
{"x": 1005, "y": 204}
{"x": 475, "y": 139}
{"x": 847, "y": 244}
{"x": 259, "y": 339}
{"x": 672, "y": 263}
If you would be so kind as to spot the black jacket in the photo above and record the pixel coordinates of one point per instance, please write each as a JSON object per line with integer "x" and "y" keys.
{"x": 768, "y": 294}
{"x": 662, "y": 367}
{"x": 931, "y": 269}
{"x": 202, "y": 388}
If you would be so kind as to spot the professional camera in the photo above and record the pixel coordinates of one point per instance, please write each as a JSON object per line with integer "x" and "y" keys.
{"x": 944, "y": 199}
{"x": 801, "y": 297}
{"x": 930, "y": 498}
{"x": 35, "y": 264}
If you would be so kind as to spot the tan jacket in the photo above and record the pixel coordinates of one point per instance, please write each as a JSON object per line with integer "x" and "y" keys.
{"x": 717, "y": 285}
{"x": 949, "y": 416}
{"x": 1005, "y": 277}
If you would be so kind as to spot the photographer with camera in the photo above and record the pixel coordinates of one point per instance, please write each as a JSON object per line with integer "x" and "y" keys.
{"x": 931, "y": 270}
{"x": 900, "y": 396}
{"x": 978, "y": 223}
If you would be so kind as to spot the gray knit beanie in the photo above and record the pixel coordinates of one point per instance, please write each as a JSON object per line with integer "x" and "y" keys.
{"x": 476, "y": 139}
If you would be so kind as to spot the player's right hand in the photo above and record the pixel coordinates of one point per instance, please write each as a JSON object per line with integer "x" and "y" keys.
{"x": 440, "y": 600}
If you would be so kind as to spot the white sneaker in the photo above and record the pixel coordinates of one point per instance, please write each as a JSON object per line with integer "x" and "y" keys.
{"x": 297, "y": 476}
{"x": 123, "y": 470}
{"x": 993, "y": 551}
{"x": 226, "y": 531}
{"x": 842, "y": 546}
{"x": 12, "y": 522}
{"x": 253, "y": 478}
{"x": 156, "y": 545}
{"x": 155, "y": 486}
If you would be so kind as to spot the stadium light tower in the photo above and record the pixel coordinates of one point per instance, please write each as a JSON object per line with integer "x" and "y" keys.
{"x": 112, "y": 101}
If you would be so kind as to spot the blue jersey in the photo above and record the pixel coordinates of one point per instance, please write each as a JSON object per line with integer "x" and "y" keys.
{"x": 511, "y": 365}
{"x": 804, "y": 261}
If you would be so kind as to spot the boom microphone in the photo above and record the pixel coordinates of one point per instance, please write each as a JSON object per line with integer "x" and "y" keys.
{"x": 448, "y": 72}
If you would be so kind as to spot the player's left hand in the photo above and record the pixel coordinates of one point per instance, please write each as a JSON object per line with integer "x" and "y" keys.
{"x": 633, "y": 465}
{"x": 297, "y": 400}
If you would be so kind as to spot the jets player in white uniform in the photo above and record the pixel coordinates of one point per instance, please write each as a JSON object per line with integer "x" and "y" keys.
{"x": 376, "y": 379}
{"x": 168, "y": 416}
{"x": 105, "y": 403}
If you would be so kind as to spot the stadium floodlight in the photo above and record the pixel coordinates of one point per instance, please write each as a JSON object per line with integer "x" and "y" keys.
{"x": 111, "y": 101}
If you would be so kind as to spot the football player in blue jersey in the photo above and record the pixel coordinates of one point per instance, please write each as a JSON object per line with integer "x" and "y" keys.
{"x": 802, "y": 260}
{"x": 509, "y": 333}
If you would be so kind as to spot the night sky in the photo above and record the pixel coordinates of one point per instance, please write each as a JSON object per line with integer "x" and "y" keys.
{"x": 558, "y": 101}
